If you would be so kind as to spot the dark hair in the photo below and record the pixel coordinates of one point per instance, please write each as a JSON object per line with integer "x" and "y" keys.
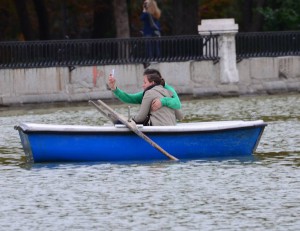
{"x": 155, "y": 76}
{"x": 152, "y": 71}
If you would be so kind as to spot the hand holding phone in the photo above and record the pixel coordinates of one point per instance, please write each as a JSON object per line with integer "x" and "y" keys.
{"x": 112, "y": 80}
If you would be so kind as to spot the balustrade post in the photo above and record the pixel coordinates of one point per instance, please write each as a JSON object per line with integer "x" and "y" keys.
{"x": 226, "y": 29}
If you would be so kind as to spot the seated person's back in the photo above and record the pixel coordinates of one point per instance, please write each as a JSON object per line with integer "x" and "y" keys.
{"x": 162, "y": 117}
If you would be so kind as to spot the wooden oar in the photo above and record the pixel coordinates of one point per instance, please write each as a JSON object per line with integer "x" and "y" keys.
{"x": 105, "y": 112}
{"x": 114, "y": 116}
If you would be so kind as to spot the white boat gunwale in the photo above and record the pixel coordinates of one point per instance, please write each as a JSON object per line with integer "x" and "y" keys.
{"x": 119, "y": 128}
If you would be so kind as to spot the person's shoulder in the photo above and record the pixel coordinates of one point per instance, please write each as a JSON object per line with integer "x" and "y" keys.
{"x": 158, "y": 87}
{"x": 162, "y": 90}
{"x": 169, "y": 87}
{"x": 154, "y": 89}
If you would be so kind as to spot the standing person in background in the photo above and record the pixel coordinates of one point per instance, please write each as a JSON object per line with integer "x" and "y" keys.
{"x": 151, "y": 26}
{"x": 150, "y": 17}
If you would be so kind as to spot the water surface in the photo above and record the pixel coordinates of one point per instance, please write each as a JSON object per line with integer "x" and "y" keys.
{"x": 260, "y": 192}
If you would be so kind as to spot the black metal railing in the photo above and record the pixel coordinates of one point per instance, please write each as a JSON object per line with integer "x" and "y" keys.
{"x": 267, "y": 44}
{"x": 34, "y": 54}
{"x": 68, "y": 53}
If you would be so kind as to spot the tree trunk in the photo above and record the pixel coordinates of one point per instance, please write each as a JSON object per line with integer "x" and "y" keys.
{"x": 42, "y": 14}
{"x": 24, "y": 19}
{"x": 121, "y": 18}
{"x": 257, "y": 22}
{"x": 185, "y": 14}
{"x": 253, "y": 20}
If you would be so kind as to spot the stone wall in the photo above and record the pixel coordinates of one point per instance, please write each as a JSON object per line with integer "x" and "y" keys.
{"x": 196, "y": 79}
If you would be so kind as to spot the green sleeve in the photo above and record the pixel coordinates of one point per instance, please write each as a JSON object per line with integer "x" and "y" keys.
{"x": 135, "y": 98}
{"x": 171, "y": 102}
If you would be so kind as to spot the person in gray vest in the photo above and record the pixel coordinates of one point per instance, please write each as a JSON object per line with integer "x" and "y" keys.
{"x": 153, "y": 86}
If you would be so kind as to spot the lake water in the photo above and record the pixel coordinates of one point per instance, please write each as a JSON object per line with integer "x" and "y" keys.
{"x": 261, "y": 192}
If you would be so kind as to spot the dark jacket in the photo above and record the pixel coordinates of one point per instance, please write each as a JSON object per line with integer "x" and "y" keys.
{"x": 148, "y": 30}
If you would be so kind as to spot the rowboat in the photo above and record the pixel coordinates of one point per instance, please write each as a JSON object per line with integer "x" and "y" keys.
{"x": 117, "y": 143}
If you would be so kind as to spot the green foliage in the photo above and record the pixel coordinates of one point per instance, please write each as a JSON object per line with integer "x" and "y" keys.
{"x": 281, "y": 15}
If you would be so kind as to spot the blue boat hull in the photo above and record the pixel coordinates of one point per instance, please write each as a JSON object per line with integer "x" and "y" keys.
{"x": 106, "y": 146}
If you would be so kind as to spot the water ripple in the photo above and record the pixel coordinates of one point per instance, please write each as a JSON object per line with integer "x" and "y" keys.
{"x": 261, "y": 192}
